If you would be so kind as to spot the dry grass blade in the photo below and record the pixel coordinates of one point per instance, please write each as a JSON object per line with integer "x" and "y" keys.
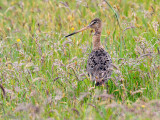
{"x": 75, "y": 73}
{"x": 75, "y": 110}
{"x": 131, "y": 27}
{"x": 135, "y": 92}
{"x": 56, "y": 79}
{"x": 3, "y": 91}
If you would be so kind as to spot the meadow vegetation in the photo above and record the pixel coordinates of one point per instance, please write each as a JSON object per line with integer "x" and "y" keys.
{"x": 43, "y": 75}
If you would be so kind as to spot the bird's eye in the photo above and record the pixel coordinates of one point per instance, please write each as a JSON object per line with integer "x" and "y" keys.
{"x": 93, "y": 22}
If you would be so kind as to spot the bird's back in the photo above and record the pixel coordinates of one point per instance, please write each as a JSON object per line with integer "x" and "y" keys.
{"x": 99, "y": 66}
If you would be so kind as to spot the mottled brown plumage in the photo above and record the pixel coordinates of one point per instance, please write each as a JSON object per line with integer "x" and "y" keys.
{"x": 99, "y": 61}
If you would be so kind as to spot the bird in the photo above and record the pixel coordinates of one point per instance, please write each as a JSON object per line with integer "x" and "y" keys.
{"x": 99, "y": 63}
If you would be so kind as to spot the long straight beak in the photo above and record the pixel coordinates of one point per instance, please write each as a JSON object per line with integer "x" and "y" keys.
{"x": 85, "y": 28}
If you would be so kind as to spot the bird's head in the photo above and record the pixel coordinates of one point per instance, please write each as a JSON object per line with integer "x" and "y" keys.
{"x": 94, "y": 24}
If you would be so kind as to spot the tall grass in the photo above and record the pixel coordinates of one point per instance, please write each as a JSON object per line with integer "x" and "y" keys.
{"x": 43, "y": 75}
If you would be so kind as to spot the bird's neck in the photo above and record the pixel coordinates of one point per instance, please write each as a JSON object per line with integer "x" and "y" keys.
{"x": 97, "y": 40}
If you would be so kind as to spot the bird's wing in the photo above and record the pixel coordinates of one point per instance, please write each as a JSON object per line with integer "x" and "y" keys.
{"x": 98, "y": 64}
